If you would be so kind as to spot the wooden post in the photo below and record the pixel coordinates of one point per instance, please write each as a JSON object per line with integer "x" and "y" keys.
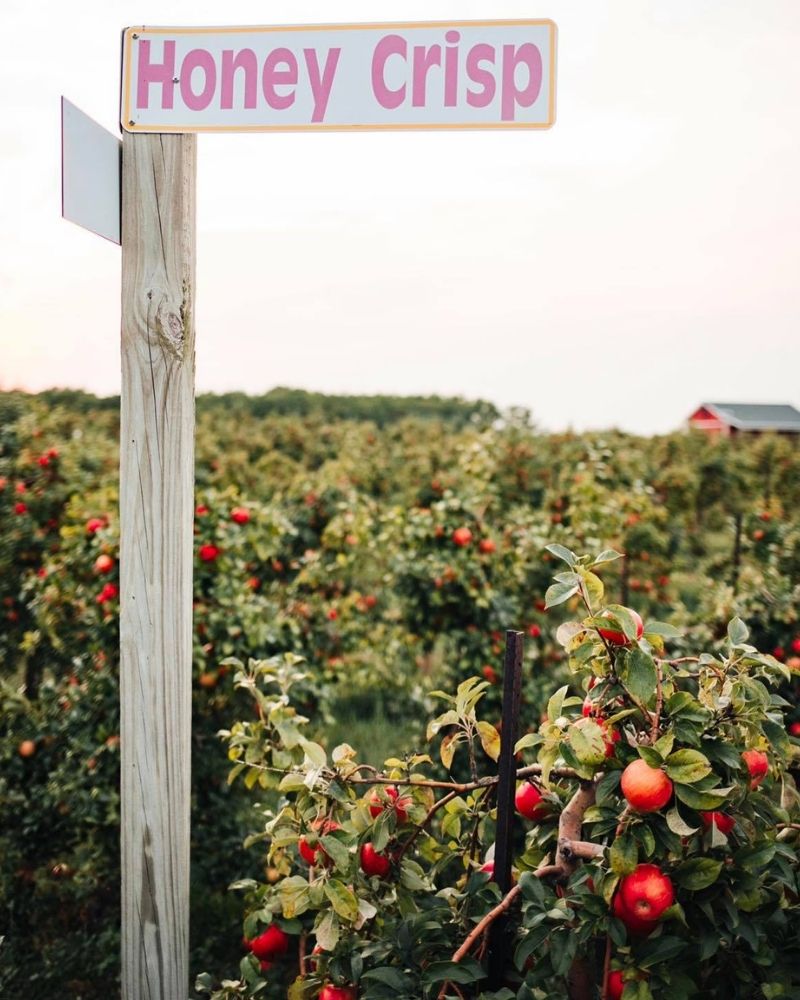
{"x": 506, "y": 790}
{"x": 156, "y": 550}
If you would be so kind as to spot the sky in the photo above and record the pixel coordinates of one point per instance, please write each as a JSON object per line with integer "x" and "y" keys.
{"x": 636, "y": 259}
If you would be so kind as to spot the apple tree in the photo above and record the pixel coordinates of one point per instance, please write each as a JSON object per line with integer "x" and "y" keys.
{"x": 656, "y": 836}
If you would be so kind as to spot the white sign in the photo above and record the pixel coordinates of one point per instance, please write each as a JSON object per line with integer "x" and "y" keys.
{"x": 454, "y": 75}
{"x": 91, "y": 160}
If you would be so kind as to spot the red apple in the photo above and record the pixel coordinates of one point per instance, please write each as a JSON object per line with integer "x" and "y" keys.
{"x": 27, "y": 748}
{"x": 208, "y": 553}
{"x": 487, "y": 546}
{"x": 646, "y": 893}
{"x": 20, "y": 508}
{"x": 633, "y": 924}
{"x": 528, "y": 801}
{"x": 103, "y": 564}
{"x": 241, "y": 515}
{"x": 94, "y": 524}
{"x": 373, "y": 863}
{"x": 269, "y": 944}
{"x": 616, "y": 986}
{"x": 534, "y": 631}
{"x": 389, "y": 800}
{"x": 612, "y": 737}
{"x": 619, "y": 638}
{"x": 489, "y": 673}
{"x": 722, "y": 821}
{"x": 590, "y": 707}
{"x": 796, "y": 645}
{"x": 646, "y": 788}
{"x": 317, "y": 855}
{"x": 108, "y": 593}
{"x": 757, "y": 765}
{"x": 794, "y": 728}
{"x": 331, "y": 992}
{"x": 462, "y": 537}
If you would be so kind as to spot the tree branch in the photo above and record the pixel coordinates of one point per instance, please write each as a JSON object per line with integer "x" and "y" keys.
{"x": 582, "y": 849}
{"x": 499, "y": 910}
{"x": 571, "y": 821}
{"x": 428, "y": 817}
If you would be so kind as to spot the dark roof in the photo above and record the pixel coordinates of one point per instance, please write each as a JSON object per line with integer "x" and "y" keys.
{"x": 757, "y": 416}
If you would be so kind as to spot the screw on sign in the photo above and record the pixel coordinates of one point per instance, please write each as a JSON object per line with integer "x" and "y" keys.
{"x": 455, "y": 75}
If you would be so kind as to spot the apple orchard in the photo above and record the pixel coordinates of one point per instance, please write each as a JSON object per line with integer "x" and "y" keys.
{"x": 357, "y": 566}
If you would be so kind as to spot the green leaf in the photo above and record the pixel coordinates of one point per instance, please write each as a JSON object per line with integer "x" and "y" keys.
{"x": 737, "y": 631}
{"x": 294, "y": 895}
{"x": 558, "y": 593}
{"x": 342, "y": 900}
{"x": 292, "y": 782}
{"x": 412, "y": 876}
{"x": 336, "y": 851}
{"x": 593, "y": 586}
{"x": 315, "y": 753}
{"x": 464, "y": 972}
{"x": 391, "y": 977}
{"x": 650, "y": 756}
{"x": 697, "y": 799}
{"x": 699, "y": 873}
{"x": 327, "y": 931}
{"x": 626, "y": 620}
{"x": 687, "y": 766}
{"x": 638, "y": 674}
{"x": 661, "y": 949}
{"x": 567, "y": 631}
{"x": 555, "y": 705}
{"x": 528, "y": 740}
{"x": 664, "y": 745}
{"x": 623, "y": 855}
{"x": 664, "y": 630}
{"x": 560, "y": 552}
{"x": 588, "y": 742}
{"x": 449, "y": 718}
{"x": 607, "y": 556}
{"x": 677, "y": 824}
{"x": 490, "y": 739}
{"x": 755, "y": 859}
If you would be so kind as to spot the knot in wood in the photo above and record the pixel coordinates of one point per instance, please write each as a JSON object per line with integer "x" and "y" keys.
{"x": 169, "y": 327}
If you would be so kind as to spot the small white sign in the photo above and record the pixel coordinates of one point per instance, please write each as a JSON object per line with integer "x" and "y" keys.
{"x": 91, "y": 163}
{"x": 442, "y": 75}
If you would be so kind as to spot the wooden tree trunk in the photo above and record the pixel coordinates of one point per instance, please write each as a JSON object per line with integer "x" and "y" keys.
{"x": 156, "y": 548}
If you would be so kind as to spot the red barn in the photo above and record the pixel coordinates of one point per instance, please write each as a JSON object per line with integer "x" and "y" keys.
{"x": 727, "y": 419}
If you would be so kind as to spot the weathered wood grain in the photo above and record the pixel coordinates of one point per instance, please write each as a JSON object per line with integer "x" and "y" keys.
{"x": 156, "y": 516}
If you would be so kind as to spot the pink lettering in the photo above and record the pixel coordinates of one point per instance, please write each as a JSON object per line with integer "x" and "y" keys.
{"x": 273, "y": 77}
{"x": 526, "y": 55}
{"x": 424, "y": 59}
{"x": 391, "y": 45}
{"x": 149, "y": 72}
{"x": 321, "y": 86}
{"x": 451, "y": 69}
{"x": 245, "y": 60}
{"x": 483, "y": 77}
{"x": 204, "y": 61}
